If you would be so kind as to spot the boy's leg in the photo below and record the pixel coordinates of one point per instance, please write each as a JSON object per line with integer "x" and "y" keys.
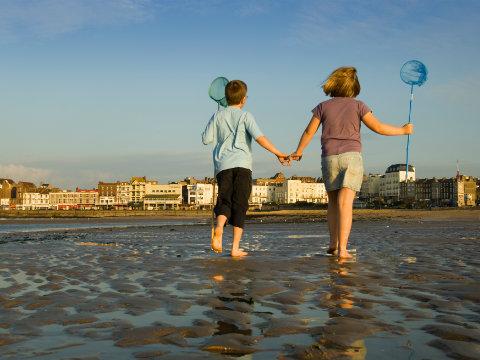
{"x": 242, "y": 187}
{"x": 237, "y": 235}
{"x": 332, "y": 218}
{"x": 345, "y": 207}
{"x": 223, "y": 207}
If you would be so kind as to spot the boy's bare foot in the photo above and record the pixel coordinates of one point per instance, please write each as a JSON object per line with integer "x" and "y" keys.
{"x": 344, "y": 254}
{"x": 239, "y": 253}
{"x": 217, "y": 240}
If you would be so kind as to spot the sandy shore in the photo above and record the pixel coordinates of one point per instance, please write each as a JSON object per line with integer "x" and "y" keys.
{"x": 412, "y": 292}
{"x": 272, "y": 216}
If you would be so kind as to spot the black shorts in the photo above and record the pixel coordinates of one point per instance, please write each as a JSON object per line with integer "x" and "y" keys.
{"x": 234, "y": 188}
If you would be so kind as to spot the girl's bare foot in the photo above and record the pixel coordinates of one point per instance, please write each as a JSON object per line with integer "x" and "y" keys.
{"x": 217, "y": 240}
{"x": 239, "y": 253}
{"x": 344, "y": 254}
{"x": 332, "y": 251}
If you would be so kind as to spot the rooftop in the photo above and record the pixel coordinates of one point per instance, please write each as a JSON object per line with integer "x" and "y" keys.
{"x": 399, "y": 167}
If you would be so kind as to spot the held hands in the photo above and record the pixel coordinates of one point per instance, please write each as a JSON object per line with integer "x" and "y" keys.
{"x": 296, "y": 155}
{"x": 408, "y": 129}
{"x": 284, "y": 159}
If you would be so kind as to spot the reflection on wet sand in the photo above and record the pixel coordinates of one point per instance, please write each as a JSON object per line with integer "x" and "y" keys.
{"x": 412, "y": 292}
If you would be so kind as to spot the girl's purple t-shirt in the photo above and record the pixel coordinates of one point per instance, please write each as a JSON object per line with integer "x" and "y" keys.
{"x": 340, "y": 119}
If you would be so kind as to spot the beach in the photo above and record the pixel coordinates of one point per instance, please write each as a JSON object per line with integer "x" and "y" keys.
{"x": 153, "y": 289}
{"x": 292, "y": 215}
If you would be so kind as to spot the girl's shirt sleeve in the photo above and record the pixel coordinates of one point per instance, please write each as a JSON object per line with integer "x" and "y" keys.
{"x": 252, "y": 127}
{"x": 317, "y": 111}
{"x": 363, "y": 109}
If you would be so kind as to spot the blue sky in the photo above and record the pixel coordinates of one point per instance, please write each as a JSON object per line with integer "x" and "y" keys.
{"x": 104, "y": 90}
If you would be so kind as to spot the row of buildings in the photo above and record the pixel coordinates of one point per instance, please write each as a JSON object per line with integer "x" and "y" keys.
{"x": 142, "y": 193}
{"x": 391, "y": 188}
{"x": 394, "y": 187}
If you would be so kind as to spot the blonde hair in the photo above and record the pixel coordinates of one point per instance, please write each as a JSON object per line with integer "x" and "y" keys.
{"x": 342, "y": 82}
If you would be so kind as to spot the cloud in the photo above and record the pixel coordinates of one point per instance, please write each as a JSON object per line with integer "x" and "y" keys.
{"x": 46, "y": 19}
{"x": 49, "y": 18}
{"x": 18, "y": 172}
{"x": 400, "y": 24}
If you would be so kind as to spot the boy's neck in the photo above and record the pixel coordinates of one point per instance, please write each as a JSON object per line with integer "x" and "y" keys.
{"x": 238, "y": 106}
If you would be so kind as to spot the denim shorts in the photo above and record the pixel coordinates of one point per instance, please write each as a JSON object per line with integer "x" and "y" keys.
{"x": 343, "y": 170}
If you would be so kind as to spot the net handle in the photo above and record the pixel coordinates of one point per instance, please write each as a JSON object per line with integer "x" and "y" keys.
{"x": 408, "y": 136}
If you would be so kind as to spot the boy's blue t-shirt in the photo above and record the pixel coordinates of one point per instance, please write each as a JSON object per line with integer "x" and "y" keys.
{"x": 232, "y": 131}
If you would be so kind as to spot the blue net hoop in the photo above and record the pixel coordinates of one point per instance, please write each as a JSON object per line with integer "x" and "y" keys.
{"x": 216, "y": 91}
{"x": 414, "y": 72}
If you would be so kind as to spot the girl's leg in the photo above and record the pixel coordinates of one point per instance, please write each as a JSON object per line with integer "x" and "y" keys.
{"x": 332, "y": 218}
{"x": 345, "y": 207}
{"x": 237, "y": 235}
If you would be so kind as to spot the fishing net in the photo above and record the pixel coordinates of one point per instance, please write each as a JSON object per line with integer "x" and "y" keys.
{"x": 216, "y": 91}
{"x": 414, "y": 72}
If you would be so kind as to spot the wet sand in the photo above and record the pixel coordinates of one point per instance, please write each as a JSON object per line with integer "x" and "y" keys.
{"x": 289, "y": 215}
{"x": 158, "y": 292}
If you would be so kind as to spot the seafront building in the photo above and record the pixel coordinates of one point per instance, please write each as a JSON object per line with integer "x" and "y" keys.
{"x": 280, "y": 190}
{"x": 370, "y": 186}
{"x": 123, "y": 195}
{"x": 162, "y": 196}
{"x": 33, "y": 201}
{"x": 6, "y": 186}
{"x": 107, "y": 189}
{"x": 459, "y": 191}
{"x": 263, "y": 194}
{"x": 138, "y": 189}
{"x": 296, "y": 191}
{"x": 389, "y": 187}
{"x": 106, "y": 202}
{"x": 199, "y": 195}
{"x": 81, "y": 199}
{"x": 392, "y": 188}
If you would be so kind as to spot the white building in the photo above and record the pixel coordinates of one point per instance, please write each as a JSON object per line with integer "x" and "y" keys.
{"x": 162, "y": 196}
{"x": 200, "y": 194}
{"x": 4, "y": 203}
{"x": 106, "y": 201}
{"x": 124, "y": 194}
{"x": 262, "y": 194}
{"x": 390, "y": 182}
{"x": 293, "y": 191}
{"x": 32, "y": 201}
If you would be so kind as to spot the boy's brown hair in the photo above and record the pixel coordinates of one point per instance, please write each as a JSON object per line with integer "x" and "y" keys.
{"x": 342, "y": 82}
{"x": 235, "y": 91}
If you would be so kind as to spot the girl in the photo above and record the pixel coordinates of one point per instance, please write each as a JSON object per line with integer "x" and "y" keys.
{"x": 342, "y": 163}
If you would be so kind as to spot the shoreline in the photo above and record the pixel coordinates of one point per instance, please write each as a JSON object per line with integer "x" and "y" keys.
{"x": 290, "y": 215}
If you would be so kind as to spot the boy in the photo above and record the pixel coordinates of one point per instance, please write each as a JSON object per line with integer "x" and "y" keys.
{"x": 232, "y": 131}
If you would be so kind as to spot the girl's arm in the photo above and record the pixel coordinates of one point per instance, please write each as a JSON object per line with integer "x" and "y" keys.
{"x": 385, "y": 129}
{"x": 307, "y": 136}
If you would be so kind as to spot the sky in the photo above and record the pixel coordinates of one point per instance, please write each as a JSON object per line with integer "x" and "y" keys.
{"x": 104, "y": 90}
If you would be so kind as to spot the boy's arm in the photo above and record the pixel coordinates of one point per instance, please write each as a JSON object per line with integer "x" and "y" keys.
{"x": 267, "y": 145}
{"x": 307, "y": 136}
{"x": 385, "y": 129}
{"x": 253, "y": 129}
{"x": 208, "y": 134}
